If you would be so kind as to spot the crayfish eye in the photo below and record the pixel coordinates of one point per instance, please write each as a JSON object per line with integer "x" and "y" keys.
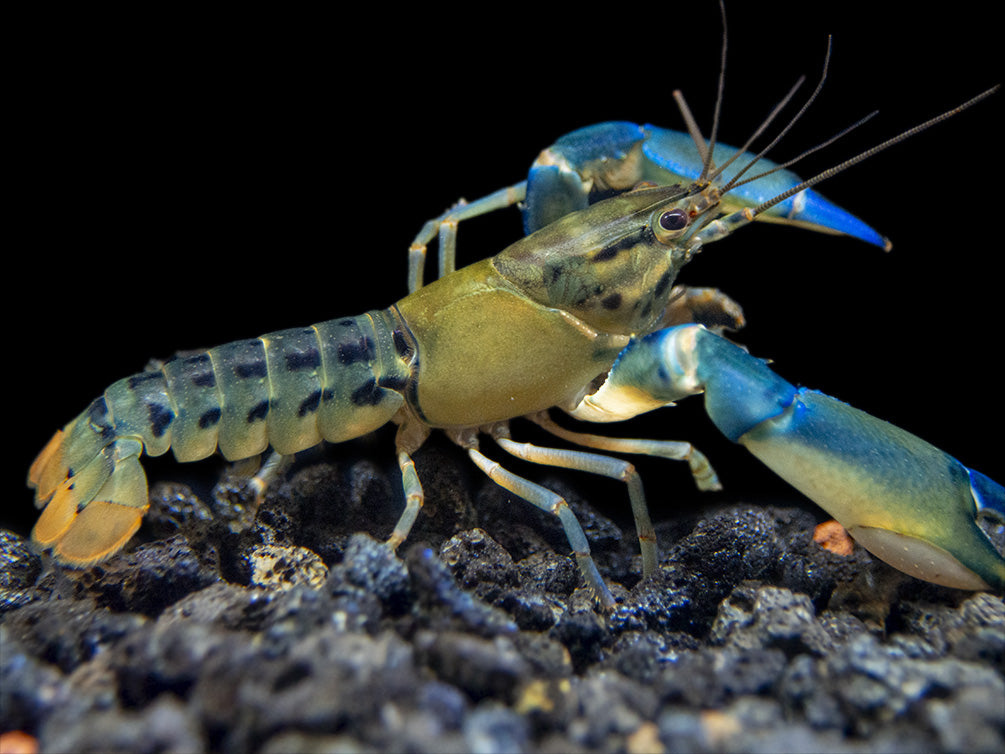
{"x": 674, "y": 219}
{"x": 670, "y": 224}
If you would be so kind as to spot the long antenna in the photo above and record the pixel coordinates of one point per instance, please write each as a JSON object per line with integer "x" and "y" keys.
{"x": 791, "y": 123}
{"x": 706, "y": 168}
{"x": 840, "y": 167}
{"x": 723, "y": 226}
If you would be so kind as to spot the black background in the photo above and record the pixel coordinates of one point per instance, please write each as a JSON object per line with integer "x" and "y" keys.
{"x": 185, "y": 181}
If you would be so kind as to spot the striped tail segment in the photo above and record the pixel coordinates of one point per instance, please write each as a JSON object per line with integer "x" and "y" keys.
{"x": 292, "y": 389}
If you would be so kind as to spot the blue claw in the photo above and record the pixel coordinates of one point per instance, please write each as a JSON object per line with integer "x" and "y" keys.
{"x": 904, "y": 500}
{"x": 589, "y": 164}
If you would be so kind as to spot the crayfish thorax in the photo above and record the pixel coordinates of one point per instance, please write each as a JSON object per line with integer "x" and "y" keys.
{"x": 611, "y": 265}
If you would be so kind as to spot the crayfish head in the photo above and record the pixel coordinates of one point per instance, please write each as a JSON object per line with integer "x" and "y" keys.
{"x": 612, "y": 264}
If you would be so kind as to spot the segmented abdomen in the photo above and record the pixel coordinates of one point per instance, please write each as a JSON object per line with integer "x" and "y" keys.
{"x": 334, "y": 381}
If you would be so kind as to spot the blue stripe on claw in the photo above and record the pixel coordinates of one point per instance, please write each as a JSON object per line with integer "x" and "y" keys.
{"x": 674, "y": 152}
{"x": 590, "y": 163}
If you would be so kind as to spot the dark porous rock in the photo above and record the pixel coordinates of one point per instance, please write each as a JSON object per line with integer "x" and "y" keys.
{"x": 610, "y": 708}
{"x": 479, "y": 563}
{"x": 175, "y": 509}
{"x": 482, "y": 668}
{"x": 531, "y": 611}
{"x": 734, "y": 544}
{"x": 663, "y": 603}
{"x": 867, "y": 686}
{"x": 711, "y": 677}
{"x": 764, "y": 617}
{"x": 31, "y": 689}
{"x": 549, "y": 572}
{"x": 972, "y": 630}
{"x": 19, "y": 571}
{"x": 644, "y": 655}
{"x": 443, "y": 605}
{"x": 492, "y": 727}
{"x": 296, "y": 628}
{"x": 703, "y": 568}
{"x": 803, "y": 565}
{"x": 226, "y": 605}
{"x": 584, "y": 634}
{"x": 285, "y": 566}
{"x": 323, "y": 504}
{"x": 165, "y": 726}
{"x": 149, "y": 578}
{"x": 168, "y": 655}
{"x": 372, "y": 566}
{"x": 67, "y": 632}
{"x": 327, "y": 682}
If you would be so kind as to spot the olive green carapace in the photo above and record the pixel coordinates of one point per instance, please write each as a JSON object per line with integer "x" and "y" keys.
{"x": 605, "y": 266}
{"x": 533, "y": 326}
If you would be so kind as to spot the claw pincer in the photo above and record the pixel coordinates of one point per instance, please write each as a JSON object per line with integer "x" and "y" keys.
{"x": 907, "y": 502}
{"x": 594, "y": 162}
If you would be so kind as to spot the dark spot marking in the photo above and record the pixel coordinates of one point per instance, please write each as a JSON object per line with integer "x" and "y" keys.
{"x": 328, "y": 394}
{"x": 256, "y": 368}
{"x": 627, "y": 242}
{"x": 196, "y": 361}
{"x": 97, "y": 416}
{"x": 393, "y": 382}
{"x": 367, "y": 394}
{"x": 307, "y": 359}
{"x": 611, "y": 302}
{"x": 648, "y": 308}
{"x": 401, "y": 345}
{"x": 97, "y": 412}
{"x": 204, "y": 379}
{"x": 310, "y": 404}
{"x": 352, "y": 353}
{"x": 586, "y": 295}
{"x": 160, "y": 418}
{"x": 210, "y": 418}
{"x": 605, "y": 254}
{"x": 138, "y": 379}
{"x": 346, "y": 322}
{"x": 259, "y": 412}
{"x": 661, "y": 286}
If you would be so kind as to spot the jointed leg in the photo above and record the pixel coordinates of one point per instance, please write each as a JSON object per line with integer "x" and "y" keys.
{"x": 413, "y": 500}
{"x": 606, "y": 466}
{"x": 446, "y": 227}
{"x": 705, "y": 306}
{"x": 701, "y": 470}
{"x": 259, "y": 477}
{"x": 274, "y": 465}
{"x": 552, "y": 503}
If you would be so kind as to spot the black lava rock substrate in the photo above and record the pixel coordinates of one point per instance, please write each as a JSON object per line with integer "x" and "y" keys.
{"x": 296, "y": 633}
